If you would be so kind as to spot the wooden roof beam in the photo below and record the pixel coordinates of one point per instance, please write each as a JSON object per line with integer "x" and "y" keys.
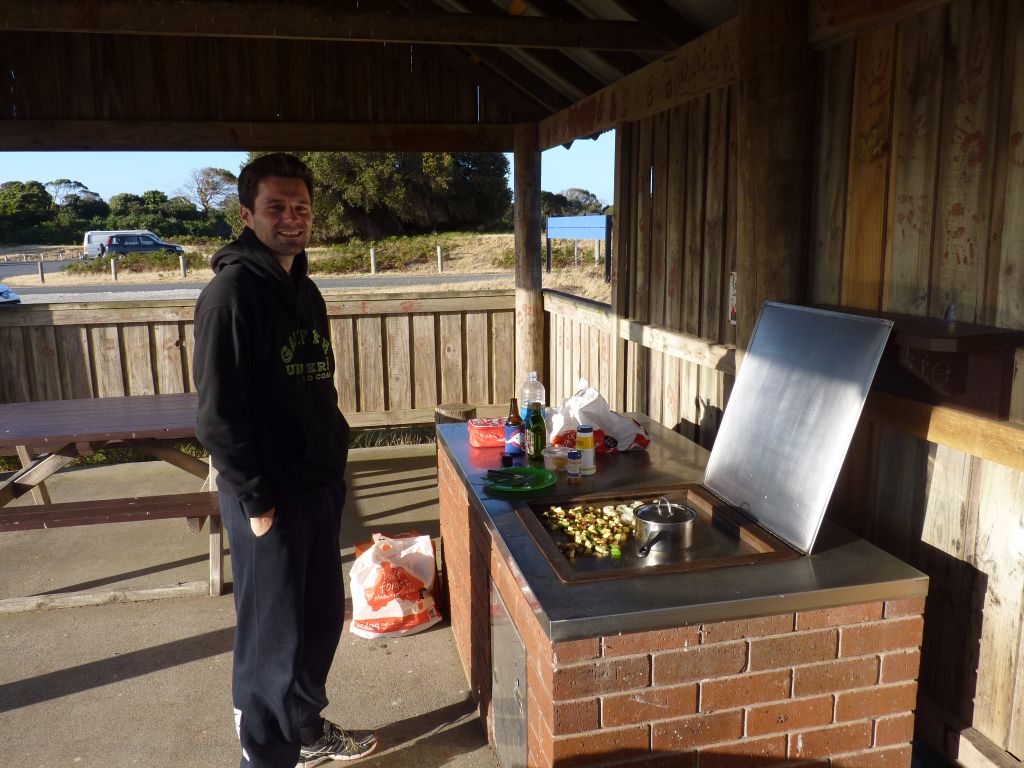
{"x": 559, "y": 65}
{"x": 561, "y": 9}
{"x": 832, "y": 20}
{"x": 518, "y": 76}
{"x": 144, "y": 135}
{"x": 472, "y": 67}
{"x": 661, "y": 20}
{"x": 708, "y": 63}
{"x": 216, "y": 18}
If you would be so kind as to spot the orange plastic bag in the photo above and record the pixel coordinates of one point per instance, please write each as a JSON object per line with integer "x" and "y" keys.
{"x": 392, "y": 587}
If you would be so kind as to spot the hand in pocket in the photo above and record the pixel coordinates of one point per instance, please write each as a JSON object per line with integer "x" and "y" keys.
{"x": 260, "y": 525}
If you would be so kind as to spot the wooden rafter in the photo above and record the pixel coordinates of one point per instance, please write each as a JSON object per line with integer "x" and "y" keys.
{"x": 517, "y": 76}
{"x": 621, "y": 61}
{"x": 663, "y": 22}
{"x": 832, "y": 20}
{"x": 709, "y": 62}
{"x": 555, "y": 62}
{"x": 492, "y": 68}
{"x": 473, "y": 68}
{"x": 316, "y": 22}
{"x": 128, "y": 135}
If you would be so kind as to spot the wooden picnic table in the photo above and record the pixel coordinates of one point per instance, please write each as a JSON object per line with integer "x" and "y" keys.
{"x": 49, "y": 435}
{"x": 58, "y": 422}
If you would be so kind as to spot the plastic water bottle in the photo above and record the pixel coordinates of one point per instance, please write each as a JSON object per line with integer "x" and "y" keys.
{"x": 532, "y": 391}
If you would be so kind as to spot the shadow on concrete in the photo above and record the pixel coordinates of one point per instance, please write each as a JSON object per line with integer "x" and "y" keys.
{"x": 126, "y": 575}
{"x": 450, "y": 730}
{"x": 54, "y": 685}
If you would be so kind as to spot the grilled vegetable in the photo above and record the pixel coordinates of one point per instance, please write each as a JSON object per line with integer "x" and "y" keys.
{"x": 599, "y": 531}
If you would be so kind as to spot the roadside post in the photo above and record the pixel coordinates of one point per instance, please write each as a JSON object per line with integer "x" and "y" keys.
{"x": 42, "y": 278}
{"x": 181, "y": 261}
{"x": 440, "y": 260}
{"x": 113, "y": 268}
{"x": 373, "y": 261}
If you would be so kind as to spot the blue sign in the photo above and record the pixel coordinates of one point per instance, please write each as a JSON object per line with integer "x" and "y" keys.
{"x": 578, "y": 227}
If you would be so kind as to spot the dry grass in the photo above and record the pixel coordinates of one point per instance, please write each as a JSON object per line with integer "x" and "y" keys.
{"x": 468, "y": 254}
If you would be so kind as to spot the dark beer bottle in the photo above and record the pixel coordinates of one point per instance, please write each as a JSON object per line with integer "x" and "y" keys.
{"x": 536, "y": 433}
{"x": 514, "y": 428}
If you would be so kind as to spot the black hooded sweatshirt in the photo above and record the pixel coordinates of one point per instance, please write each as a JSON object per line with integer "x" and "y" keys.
{"x": 264, "y": 368}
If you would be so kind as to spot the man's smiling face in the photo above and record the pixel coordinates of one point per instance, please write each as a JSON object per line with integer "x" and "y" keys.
{"x": 281, "y": 215}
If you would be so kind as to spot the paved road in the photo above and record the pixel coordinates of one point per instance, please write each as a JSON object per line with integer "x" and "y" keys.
{"x": 49, "y": 294}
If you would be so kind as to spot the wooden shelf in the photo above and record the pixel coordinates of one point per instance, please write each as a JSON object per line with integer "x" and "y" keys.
{"x": 999, "y": 441}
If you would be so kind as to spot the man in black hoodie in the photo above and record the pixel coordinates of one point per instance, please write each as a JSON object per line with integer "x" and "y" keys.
{"x": 268, "y": 415}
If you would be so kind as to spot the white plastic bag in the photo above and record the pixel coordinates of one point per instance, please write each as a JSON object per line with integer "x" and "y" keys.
{"x": 391, "y": 585}
{"x": 612, "y": 431}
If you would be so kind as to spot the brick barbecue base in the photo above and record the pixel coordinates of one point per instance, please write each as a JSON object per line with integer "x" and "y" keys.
{"x": 826, "y": 687}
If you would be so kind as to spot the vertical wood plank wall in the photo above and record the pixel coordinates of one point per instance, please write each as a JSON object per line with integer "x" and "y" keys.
{"x": 679, "y": 242}
{"x": 397, "y": 357}
{"x": 917, "y": 208}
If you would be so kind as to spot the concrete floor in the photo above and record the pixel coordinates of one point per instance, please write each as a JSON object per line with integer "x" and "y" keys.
{"x": 148, "y": 683}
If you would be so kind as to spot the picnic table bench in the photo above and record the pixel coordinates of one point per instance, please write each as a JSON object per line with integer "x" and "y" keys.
{"x": 50, "y": 435}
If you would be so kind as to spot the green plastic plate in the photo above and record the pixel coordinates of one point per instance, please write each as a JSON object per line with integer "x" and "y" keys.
{"x": 539, "y": 478}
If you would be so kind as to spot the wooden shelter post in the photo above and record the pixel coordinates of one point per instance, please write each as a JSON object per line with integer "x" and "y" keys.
{"x": 529, "y": 301}
{"x": 772, "y": 172}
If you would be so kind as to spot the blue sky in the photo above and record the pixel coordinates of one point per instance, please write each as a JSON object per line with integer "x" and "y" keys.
{"x": 588, "y": 164}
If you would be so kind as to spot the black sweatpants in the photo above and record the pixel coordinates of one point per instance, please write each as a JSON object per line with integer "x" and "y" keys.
{"x": 289, "y": 605}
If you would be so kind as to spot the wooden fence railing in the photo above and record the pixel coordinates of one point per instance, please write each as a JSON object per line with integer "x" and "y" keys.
{"x": 614, "y": 354}
{"x": 397, "y": 356}
{"x": 580, "y": 344}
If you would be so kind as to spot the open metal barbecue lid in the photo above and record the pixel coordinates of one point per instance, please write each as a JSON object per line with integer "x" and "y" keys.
{"x": 792, "y": 413}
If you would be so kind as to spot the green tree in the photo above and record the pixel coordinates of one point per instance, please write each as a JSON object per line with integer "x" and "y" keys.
{"x": 85, "y": 206}
{"x": 24, "y": 204}
{"x": 554, "y": 204}
{"x": 583, "y": 201}
{"x": 76, "y": 203}
{"x": 569, "y": 202}
{"x": 210, "y": 188}
{"x": 61, "y": 189}
{"x": 232, "y": 214}
{"x": 375, "y": 194}
{"x": 181, "y": 208}
{"x": 125, "y": 204}
{"x": 154, "y": 201}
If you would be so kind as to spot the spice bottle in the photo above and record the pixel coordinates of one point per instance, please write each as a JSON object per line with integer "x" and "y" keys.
{"x": 514, "y": 428}
{"x": 585, "y": 445}
{"x": 536, "y": 433}
{"x": 573, "y": 467}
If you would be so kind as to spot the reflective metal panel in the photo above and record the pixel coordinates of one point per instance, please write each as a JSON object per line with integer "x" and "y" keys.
{"x": 508, "y": 687}
{"x": 792, "y": 414}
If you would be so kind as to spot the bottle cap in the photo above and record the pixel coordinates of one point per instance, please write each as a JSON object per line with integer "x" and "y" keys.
{"x": 584, "y": 428}
{"x": 574, "y": 454}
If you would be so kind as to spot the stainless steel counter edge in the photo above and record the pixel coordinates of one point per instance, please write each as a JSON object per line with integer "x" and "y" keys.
{"x": 841, "y": 570}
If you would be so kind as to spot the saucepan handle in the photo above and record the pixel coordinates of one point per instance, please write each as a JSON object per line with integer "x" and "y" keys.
{"x": 651, "y": 541}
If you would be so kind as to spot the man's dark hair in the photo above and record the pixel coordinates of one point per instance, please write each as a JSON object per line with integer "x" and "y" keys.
{"x": 276, "y": 164}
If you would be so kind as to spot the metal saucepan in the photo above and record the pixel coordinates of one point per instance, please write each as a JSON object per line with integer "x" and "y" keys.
{"x": 663, "y": 526}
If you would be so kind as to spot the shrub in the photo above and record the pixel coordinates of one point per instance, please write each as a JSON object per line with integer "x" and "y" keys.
{"x": 114, "y": 454}
{"x": 139, "y": 262}
{"x": 561, "y": 257}
{"x": 393, "y": 253}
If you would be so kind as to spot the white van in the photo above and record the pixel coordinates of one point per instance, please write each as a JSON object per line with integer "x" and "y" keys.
{"x": 96, "y": 237}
